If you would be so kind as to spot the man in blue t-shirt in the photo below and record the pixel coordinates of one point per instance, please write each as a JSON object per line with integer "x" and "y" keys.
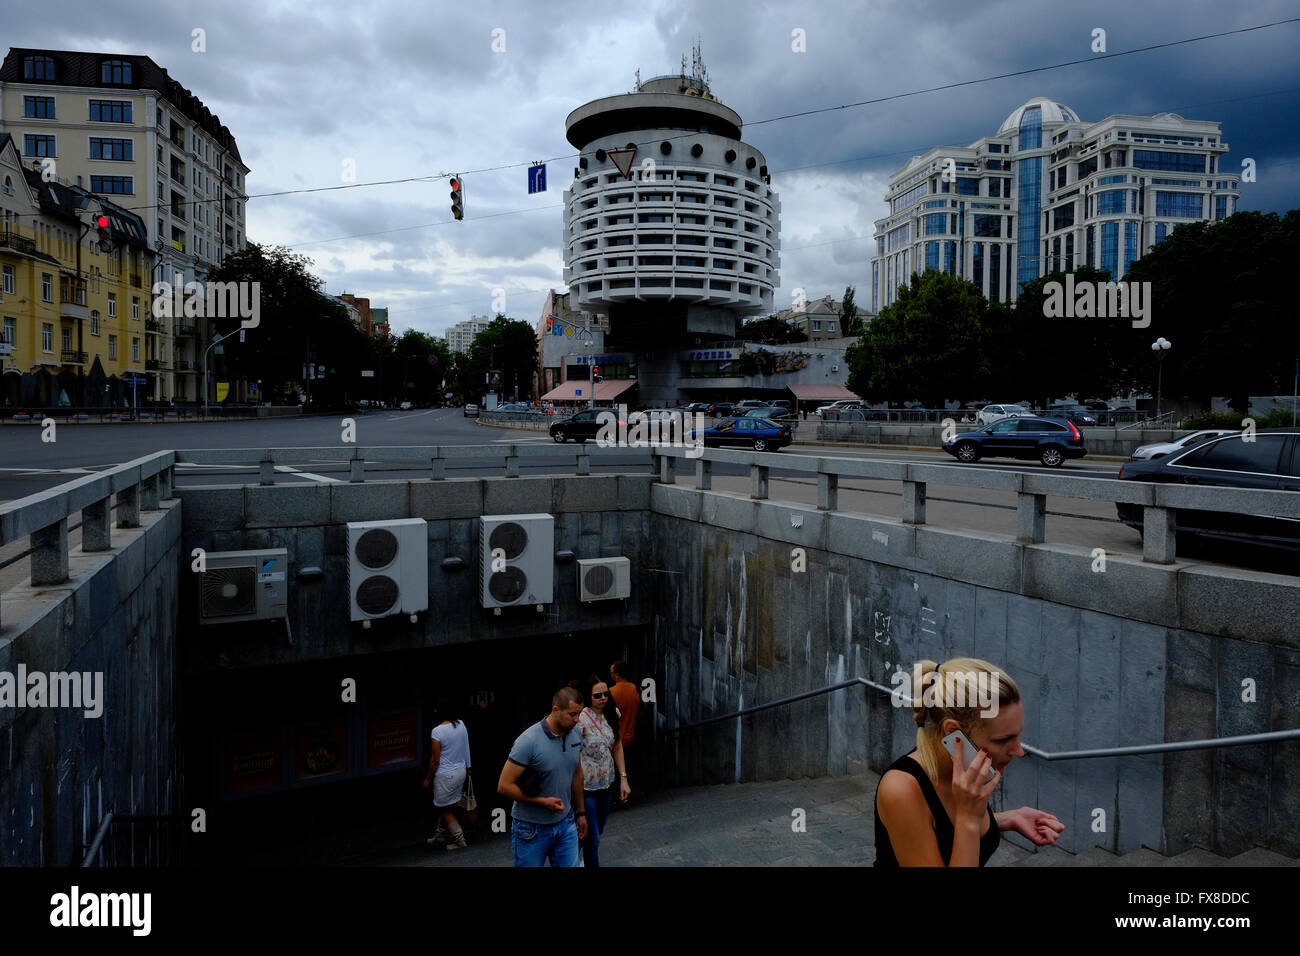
{"x": 543, "y": 777}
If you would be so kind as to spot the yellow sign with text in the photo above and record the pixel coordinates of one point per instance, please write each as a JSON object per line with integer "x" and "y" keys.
{"x": 223, "y": 389}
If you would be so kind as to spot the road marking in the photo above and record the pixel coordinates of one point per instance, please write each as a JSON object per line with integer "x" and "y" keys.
{"x": 307, "y": 474}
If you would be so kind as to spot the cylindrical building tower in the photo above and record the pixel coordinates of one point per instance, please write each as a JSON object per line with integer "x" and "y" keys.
{"x": 687, "y": 246}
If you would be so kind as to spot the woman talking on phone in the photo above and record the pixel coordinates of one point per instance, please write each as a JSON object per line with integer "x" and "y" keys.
{"x": 932, "y": 806}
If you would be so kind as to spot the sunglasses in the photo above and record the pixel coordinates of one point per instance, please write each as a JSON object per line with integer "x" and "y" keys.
{"x": 596, "y": 696}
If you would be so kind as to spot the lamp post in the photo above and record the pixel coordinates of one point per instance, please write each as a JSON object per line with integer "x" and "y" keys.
{"x": 1160, "y": 346}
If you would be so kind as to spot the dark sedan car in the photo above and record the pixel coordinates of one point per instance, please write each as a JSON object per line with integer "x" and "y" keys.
{"x": 1051, "y": 441}
{"x": 582, "y": 426}
{"x": 1271, "y": 461}
{"x": 756, "y": 433}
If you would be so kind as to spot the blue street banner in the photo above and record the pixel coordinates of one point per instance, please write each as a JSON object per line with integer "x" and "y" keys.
{"x": 537, "y": 179}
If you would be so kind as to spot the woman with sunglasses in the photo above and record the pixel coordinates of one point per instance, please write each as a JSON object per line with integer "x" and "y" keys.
{"x": 602, "y": 755}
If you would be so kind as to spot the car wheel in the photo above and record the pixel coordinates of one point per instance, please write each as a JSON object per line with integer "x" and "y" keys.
{"x": 1051, "y": 457}
{"x": 558, "y": 435}
{"x": 967, "y": 451}
{"x": 760, "y": 444}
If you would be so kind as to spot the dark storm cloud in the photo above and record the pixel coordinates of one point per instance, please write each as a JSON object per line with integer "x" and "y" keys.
{"x": 396, "y": 91}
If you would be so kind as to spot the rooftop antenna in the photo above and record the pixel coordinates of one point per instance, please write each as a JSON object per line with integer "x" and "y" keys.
{"x": 638, "y": 81}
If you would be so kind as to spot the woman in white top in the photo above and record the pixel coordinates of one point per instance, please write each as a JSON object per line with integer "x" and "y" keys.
{"x": 448, "y": 768}
{"x": 602, "y": 752}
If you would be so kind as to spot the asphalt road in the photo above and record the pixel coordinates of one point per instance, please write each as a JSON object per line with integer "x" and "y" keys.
{"x": 28, "y": 465}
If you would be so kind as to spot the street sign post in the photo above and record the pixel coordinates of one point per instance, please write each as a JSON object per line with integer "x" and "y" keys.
{"x": 537, "y": 179}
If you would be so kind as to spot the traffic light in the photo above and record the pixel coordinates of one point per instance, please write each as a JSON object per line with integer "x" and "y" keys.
{"x": 105, "y": 236}
{"x": 550, "y": 324}
{"x": 457, "y": 200}
{"x": 595, "y": 373}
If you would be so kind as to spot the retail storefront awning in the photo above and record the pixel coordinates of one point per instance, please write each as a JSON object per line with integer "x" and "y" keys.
{"x": 605, "y": 391}
{"x": 818, "y": 393}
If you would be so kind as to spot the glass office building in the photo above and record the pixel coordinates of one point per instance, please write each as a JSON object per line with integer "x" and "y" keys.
{"x": 1049, "y": 192}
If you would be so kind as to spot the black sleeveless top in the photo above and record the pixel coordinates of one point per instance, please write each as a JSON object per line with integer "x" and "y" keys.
{"x": 943, "y": 828}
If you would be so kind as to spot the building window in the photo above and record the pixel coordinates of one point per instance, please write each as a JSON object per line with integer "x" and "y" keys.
{"x": 1110, "y": 248}
{"x": 110, "y": 111}
{"x": 1170, "y": 162}
{"x": 135, "y": 308}
{"x": 9, "y": 186}
{"x": 112, "y": 305}
{"x": 115, "y": 71}
{"x": 34, "y": 145}
{"x": 9, "y": 279}
{"x": 47, "y": 287}
{"x": 47, "y": 337}
{"x": 830, "y": 326}
{"x": 112, "y": 347}
{"x": 1178, "y": 205}
{"x": 122, "y": 150}
{"x": 1130, "y": 244}
{"x": 988, "y": 226}
{"x": 9, "y": 332}
{"x": 94, "y": 322}
{"x": 124, "y": 185}
{"x": 1220, "y": 207}
{"x": 38, "y": 107}
{"x": 67, "y": 340}
{"x": 1111, "y": 203}
{"x": 135, "y": 350}
{"x": 38, "y": 68}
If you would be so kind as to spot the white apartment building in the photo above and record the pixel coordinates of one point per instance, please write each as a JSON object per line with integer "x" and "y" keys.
{"x": 461, "y": 335}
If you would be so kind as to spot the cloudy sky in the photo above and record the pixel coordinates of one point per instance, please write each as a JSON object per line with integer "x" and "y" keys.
{"x": 403, "y": 90}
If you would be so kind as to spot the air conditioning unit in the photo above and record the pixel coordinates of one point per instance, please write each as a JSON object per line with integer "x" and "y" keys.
{"x": 601, "y": 579}
{"x": 388, "y": 568}
{"x": 244, "y": 586}
{"x": 516, "y": 560}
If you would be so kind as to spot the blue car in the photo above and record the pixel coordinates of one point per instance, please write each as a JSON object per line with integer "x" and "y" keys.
{"x": 1050, "y": 440}
{"x": 759, "y": 434}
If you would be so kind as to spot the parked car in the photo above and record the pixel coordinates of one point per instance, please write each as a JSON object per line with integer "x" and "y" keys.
{"x": 995, "y": 413}
{"x": 1160, "y": 449}
{"x": 846, "y": 412}
{"x": 471, "y": 410}
{"x": 723, "y": 409}
{"x": 1075, "y": 413}
{"x": 583, "y": 426}
{"x": 841, "y": 403}
{"x": 1051, "y": 441}
{"x": 1271, "y": 461}
{"x": 702, "y": 408}
{"x": 759, "y": 434}
{"x": 406, "y": 406}
{"x": 749, "y": 403}
{"x": 774, "y": 413}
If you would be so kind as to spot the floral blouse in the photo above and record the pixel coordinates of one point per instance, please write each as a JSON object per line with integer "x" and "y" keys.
{"x": 597, "y": 758}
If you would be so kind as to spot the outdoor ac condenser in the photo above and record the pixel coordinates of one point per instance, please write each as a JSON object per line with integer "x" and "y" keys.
{"x": 244, "y": 586}
{"x": 516, "y": 560}
{"x": 388, "y": 568}
{"x": 601, "y": 579}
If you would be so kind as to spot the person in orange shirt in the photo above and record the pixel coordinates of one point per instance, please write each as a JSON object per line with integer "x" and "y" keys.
{"x": 627, "y": 699}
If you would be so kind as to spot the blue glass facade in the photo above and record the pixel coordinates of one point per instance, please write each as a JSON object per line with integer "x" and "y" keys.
{"x": 1130, "y": 244}
{"x": 1178, "y": 205}
{"x": 1160, "y": 232}
{"x": 1111, "y": 203}
{"x": 1170, "y": 162}
{"x": 935, "y": 224}
{"x": 996, "y": 293}
{"x": 1220, "y": 207}
{"x": 1029, "y": 194}
{"x": 977, "y": 272}
{"x": 1110, "y": 248}
{"x": 932, "y": 255}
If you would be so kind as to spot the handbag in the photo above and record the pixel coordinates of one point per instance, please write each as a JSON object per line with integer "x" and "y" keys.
{"x": 468, "y": 803}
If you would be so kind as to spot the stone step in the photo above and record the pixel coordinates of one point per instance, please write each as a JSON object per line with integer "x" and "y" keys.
{"x": 1258, "y": 856}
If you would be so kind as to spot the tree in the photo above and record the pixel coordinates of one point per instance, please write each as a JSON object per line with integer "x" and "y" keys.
{"x": 506, "y": 350}
{"x": 926, "y": 345}
{"x": 771, "y": 331}
{"x": 850, "y": 321}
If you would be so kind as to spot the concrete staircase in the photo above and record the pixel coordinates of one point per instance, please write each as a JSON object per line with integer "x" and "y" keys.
{"x": 752, "y": 825}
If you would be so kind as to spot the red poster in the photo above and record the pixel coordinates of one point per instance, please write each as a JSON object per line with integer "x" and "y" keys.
{"x": 392, "y": 740}
{"x": 320, "y": 751}
{"x": 253, "y": 763}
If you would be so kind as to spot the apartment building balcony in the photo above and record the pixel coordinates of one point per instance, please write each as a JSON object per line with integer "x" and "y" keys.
{"x": 72, "y": 299}
{"x": 13, "y": 242}
{"x": 72, "y": 357}
{"x": 153, "y": 325}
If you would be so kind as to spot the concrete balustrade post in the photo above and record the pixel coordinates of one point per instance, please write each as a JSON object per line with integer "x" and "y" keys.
{"x": 128, "y": 507}
{"x": 667, "y": 469}
{"x": 512, "y": 462}
{"x": 166, "y": 481}
{"x": 357, "y": 469}
{"x": 703, "y": 474}
{"x": 50, "y": 554}
{"x": 149, "y": 493}
{"x": 267, "y": 475}
{"x": 96, "y": 526}
{"x": 828, "y": 491}
{"x": 437, "y": 469}
{"x": 913, "y": 502}
{"x": 758, "y": 481}
{"x": 584, "y": 462}
{"x": 1159, "y": 535}
{"x": 1031, "y": 518}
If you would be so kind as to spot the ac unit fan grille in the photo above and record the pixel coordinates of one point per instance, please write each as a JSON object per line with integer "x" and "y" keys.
{"x": 377, "y": 548}
{"x": 598, "y": 579}
{"x": 229, "y": 591}
{"x": 377, "y": 594}
{"x": 507, "y": 586}
{"x": 509, "y": 537}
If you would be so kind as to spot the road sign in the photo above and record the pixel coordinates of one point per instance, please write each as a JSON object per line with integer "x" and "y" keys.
{"x": 622, "y": 159}
{"x": 367, "y": 373}
{"x": 134, "y": 380}
{"x": 578, "y": 392}
{"x": 537, "y": 179}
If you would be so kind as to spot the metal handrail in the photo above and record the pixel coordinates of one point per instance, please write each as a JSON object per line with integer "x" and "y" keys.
{"x": 97, "y": 842}
{"x": 1203, "y": 744}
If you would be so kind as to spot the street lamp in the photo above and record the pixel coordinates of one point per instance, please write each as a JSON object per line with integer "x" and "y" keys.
{"x": 1160, "y": 346}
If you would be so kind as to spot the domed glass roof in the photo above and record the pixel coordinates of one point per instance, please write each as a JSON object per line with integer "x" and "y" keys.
{"x": 1053, "y": 112}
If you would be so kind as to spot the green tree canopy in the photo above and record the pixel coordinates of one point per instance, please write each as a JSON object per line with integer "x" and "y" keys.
{"x": 771, "y": 331}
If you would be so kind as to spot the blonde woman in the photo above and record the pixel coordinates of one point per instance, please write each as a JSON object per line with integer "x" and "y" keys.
{"x": 932, "y": 809}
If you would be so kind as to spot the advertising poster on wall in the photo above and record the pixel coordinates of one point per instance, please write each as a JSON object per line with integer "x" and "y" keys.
{"x": 392, "y": 740}
{"x": 253, "y": 763}
{"x": 320, "y": 751}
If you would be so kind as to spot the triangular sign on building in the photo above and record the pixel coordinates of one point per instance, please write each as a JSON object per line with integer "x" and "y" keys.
{"x": 622, "y": 159}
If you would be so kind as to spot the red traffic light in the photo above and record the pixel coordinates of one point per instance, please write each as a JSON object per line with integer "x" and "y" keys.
{"x": 455, "y": 183}
{"x": 102, "y": 222}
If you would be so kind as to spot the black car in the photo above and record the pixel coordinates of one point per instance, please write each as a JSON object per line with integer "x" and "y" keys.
{"x": 583, "y": 426}
{"x": 1271, "y": 462}
{"x": 1078, "y": 414}
{"x": 723, "y": 409}
{"x": 1051, "y": 441}
{"x": 757, "y": 433}
{"x": 702, "y": 408}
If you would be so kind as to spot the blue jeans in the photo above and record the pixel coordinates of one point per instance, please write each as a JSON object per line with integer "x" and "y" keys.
{"x": 597, "y": 802}
{"x": 535, "y": 843}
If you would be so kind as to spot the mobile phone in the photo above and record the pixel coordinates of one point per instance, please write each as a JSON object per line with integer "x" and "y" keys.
{"x": 969, "y": 751}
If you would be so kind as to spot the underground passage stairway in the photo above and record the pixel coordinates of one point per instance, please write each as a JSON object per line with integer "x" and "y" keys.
{"x": 735, "y": 825}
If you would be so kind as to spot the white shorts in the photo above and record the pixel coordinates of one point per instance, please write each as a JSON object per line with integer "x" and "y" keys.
{"x": 447, "y": 787}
